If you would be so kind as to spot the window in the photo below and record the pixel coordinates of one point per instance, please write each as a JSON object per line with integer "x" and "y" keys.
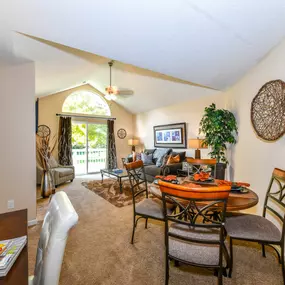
{"x": 89, "y": 139}
{"x": 86, "y": 102}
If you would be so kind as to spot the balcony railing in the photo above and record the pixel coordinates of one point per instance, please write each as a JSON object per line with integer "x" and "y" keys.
{"x": 96, "y": 160}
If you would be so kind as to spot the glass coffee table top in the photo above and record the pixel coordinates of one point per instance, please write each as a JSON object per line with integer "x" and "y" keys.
{"x": 115, "y": 172}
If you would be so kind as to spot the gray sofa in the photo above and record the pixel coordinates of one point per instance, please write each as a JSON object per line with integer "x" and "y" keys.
{"x": 154, "y": 169}
{"x": 60, "y": 173}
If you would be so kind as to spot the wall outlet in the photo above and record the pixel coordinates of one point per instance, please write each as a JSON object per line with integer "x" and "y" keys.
{"x": 11, "y": 204}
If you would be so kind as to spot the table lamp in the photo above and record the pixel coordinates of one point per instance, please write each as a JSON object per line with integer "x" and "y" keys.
{"x": 198, "y": 144}
{"x": 133, "y": 143}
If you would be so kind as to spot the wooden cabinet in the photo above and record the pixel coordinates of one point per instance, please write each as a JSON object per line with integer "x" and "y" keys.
{"x": 12, "y": 225}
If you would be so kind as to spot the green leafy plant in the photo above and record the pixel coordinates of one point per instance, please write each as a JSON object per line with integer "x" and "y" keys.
{"x": 219, "y": 127}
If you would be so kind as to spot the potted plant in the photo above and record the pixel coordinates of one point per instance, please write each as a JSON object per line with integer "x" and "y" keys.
{"x": 219, "y": 127}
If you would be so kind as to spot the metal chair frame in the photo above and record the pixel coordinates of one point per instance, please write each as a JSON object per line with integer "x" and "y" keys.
{"x": 196, "y": 217}
{"x": 278, "y": 176}
{"x": 197, "y": 165}
{"x": 138, "y": 183}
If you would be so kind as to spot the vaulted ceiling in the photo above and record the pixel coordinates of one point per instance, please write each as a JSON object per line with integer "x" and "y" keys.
{"x": 187, "y": 42}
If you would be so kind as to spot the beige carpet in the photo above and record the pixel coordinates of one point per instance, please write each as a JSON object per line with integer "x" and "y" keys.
{"x": 98, "y": 250}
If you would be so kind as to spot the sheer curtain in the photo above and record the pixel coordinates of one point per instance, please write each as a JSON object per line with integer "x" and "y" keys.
{"x": 64, "y": 141}
{"x": 111, "y": 146}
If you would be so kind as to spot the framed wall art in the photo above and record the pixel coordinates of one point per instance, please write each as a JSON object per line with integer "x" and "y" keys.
{"x": 170, "y": 136}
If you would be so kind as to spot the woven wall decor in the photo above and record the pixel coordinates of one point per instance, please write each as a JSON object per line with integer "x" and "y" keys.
{"x": 268, "y": 110}
{"x": 121, "y": 133}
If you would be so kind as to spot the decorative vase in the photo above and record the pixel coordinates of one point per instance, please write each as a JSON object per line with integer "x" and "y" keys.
{"x": 46, "y": 184}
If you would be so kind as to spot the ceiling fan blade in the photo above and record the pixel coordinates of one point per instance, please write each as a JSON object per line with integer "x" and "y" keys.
{"x": 125, "y": 92}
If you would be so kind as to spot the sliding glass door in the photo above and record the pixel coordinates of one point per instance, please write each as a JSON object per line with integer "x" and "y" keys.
{"x": 97, "y": 143}
{"x": 89, "y": 142}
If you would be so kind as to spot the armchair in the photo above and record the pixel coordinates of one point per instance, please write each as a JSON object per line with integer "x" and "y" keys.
{"x": 59, "y": 173}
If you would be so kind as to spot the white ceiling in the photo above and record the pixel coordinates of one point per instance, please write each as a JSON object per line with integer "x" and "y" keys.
{"x": 59, "y": 68}
{"x": 212, "y": 43}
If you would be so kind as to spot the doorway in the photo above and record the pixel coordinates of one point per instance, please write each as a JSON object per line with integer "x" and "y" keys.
{"x": 89, "y": 147}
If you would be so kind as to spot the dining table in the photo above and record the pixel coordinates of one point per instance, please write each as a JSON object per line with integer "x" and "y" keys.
{"x": 237, "y": 200}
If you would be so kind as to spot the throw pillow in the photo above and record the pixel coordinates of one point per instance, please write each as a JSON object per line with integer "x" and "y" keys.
{"x": 147, "y": 158}
{"x": 149, "y": 151}
{"x": 159, "y": 154}
{"x": 173, "y": 159}
{"x": 138, "y": 156}
{"x": 52, "y": 162}
{"x": 164, "y": 161}
{"x": 181, "y": 154}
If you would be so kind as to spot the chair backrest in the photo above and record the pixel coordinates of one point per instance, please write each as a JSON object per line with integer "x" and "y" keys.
{"x": 277, "y": 197}
{"x": 199, "y": 165}
{"x": 137, "y": 179}
{"x": 193, "y": 204}
{"x": 59, "y": 219}
{"x": 124, "y": 161}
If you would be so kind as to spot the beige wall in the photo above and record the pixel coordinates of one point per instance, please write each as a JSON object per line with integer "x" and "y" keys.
{"x": 50, "y": 105}
{"x": 253, "y": 159}
{"x": 17, "y": 143}
{"x": 189, "y": 112}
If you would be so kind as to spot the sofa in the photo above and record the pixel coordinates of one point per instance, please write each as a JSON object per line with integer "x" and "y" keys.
{"x": 60, "y": 173}
{"x": 157, "y": 166}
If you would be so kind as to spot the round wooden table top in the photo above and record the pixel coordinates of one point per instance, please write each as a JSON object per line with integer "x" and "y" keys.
{"x": 236, "y": 201}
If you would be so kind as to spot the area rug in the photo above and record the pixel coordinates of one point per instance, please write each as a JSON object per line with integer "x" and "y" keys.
{"x": 110, "y": 191}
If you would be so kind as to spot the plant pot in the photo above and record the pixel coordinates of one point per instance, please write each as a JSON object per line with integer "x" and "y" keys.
{"x": 46, "y": 184}
{"x": 220, "y": 170}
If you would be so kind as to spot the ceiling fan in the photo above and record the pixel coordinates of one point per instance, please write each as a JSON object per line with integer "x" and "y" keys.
{"x": 113, "y": 91}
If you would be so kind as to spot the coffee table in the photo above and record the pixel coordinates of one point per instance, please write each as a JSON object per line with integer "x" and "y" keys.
{"x": 113, "y": 174}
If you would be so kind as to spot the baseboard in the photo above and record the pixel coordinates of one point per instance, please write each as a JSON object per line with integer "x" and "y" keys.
{"x": 32, "y": 222}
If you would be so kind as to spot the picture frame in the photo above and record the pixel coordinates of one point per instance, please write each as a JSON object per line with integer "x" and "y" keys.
{"x": 170, "y": 136}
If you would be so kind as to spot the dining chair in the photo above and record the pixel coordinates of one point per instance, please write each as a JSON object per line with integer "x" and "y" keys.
{"x": 260, "y": 229}
{"x": 191, "y": 237}
{"x": 59, "y": 219}
{"x": 148, "y": 208}
{"x": 198, "y": 165}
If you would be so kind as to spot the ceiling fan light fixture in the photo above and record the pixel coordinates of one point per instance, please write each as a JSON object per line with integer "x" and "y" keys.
{"x": 111, "y": 90}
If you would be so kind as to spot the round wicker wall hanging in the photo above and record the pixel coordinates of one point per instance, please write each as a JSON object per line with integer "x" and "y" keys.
{"x": 268, "y": 110}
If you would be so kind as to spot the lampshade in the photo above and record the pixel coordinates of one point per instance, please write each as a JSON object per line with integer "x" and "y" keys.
{"x": 133, "y": 142}
{"x": 196, "y": 143}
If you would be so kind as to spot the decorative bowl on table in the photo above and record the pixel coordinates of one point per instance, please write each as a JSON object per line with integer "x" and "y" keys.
{"x": 202, "y": 178}
{"x": 168, "y": 178}
{"x": 118, "y": 171}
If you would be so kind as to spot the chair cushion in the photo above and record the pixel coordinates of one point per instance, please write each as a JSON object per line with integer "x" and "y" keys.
{"x": 64, "y": 171}
{"x": 252, "y": 227}
{"x": 196, "y": 253}
{"x": 151, "y": 207}
{"x": 196, "y": 233}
